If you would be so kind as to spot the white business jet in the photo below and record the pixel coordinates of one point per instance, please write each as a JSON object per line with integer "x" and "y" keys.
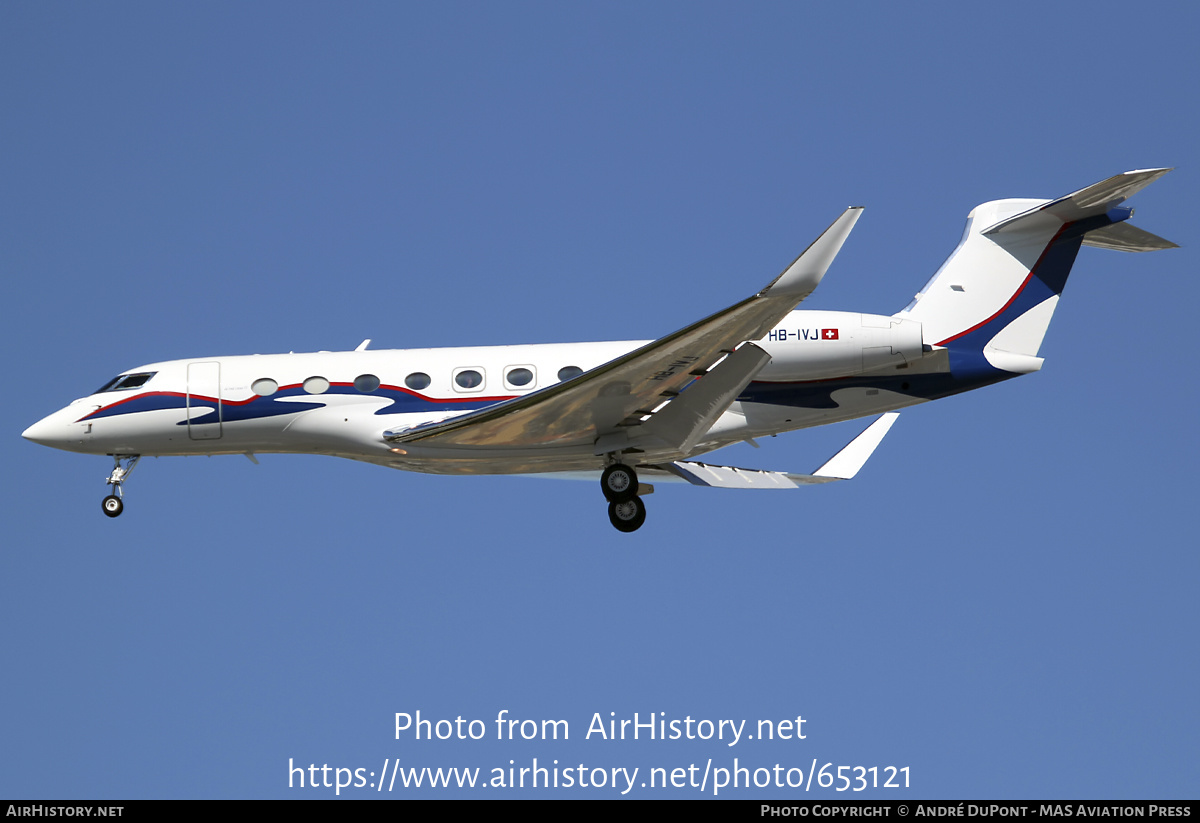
{"x": 632, "y": 412}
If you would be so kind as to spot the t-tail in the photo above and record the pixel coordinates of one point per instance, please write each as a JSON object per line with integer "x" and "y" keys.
{"x": 991, "y": 302}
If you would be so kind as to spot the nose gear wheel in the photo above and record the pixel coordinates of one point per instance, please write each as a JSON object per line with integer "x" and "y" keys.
{"x": 123, "y": 465}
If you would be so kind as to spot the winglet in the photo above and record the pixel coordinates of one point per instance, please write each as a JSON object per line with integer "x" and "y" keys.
{"x": 806, "y": 271}
{"x": 846, "y": 463}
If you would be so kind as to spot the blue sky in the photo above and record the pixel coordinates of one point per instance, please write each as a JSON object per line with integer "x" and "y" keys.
{"x": 1003, "y": 601}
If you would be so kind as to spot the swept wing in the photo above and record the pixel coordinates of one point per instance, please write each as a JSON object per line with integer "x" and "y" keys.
{"x": 597, "y": 407}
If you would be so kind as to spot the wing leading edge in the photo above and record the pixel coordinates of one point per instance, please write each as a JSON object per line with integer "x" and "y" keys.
{"x": 600, "y": 407}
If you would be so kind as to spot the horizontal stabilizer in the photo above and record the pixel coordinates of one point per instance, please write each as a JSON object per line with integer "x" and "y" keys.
{"x": 1124, "y": 237}
{"x": 1095, "y": 200}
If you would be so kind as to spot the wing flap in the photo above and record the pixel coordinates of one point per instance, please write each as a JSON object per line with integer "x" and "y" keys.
{"x": 598, "y": 402}
{"x": 686, "y": 418}
{"x": 728, "y": 477}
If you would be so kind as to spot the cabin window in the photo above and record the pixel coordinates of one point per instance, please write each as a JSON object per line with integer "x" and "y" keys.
{"x": 567, "y": 372}
{"x": 366, "y": 383}
{"x": 518, "y": 376}
{"x": 264, "y": 387}
{"x": 316, "y": 385}
{"x": 468, "y": 379}
{"x": 126, "y": 381}
{"x": 417, "y": 380}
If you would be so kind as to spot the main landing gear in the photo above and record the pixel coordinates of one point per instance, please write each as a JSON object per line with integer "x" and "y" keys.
{"x": 626, "y": 511}
{"x": 123, "y": 466}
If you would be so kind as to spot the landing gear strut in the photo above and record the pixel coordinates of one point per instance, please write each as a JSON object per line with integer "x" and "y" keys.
{"x": 626, "y": 511}
{"x": 123, "y": 466}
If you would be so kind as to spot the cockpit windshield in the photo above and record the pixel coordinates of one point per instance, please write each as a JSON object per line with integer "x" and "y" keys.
{"x": 126, "y": 381}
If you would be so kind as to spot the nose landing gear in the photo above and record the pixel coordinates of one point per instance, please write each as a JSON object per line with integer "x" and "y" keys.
{"x": 626, "y": 511}
{"x": 123, "y": 466}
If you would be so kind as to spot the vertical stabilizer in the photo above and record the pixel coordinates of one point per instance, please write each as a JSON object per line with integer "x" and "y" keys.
{"x": 996, "y": 293}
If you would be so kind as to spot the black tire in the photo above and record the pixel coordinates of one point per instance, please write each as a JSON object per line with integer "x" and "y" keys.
{"x": 619, "y": 483}
{"x": 112, "y": 505}
{"x": 627, "y": 515}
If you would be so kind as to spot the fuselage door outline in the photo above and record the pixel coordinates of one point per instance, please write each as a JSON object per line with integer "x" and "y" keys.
{"x": 203, "y": 399}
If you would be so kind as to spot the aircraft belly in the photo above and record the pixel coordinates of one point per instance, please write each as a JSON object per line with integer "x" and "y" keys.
{"x": 764, "y": 419}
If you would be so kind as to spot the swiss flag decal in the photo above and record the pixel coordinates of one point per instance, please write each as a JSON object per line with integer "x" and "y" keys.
{"x": 829, "y": 334}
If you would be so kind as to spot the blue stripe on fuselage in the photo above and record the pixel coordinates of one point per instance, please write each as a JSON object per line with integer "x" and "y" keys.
{"x": 255, "y": 408}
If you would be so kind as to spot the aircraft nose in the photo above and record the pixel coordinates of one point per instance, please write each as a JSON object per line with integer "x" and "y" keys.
{"x": 43, "y": 432}
{"x": 53, "y": 430}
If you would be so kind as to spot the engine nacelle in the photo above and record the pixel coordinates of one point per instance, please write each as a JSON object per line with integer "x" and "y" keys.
{"x": 815, "y": 345}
